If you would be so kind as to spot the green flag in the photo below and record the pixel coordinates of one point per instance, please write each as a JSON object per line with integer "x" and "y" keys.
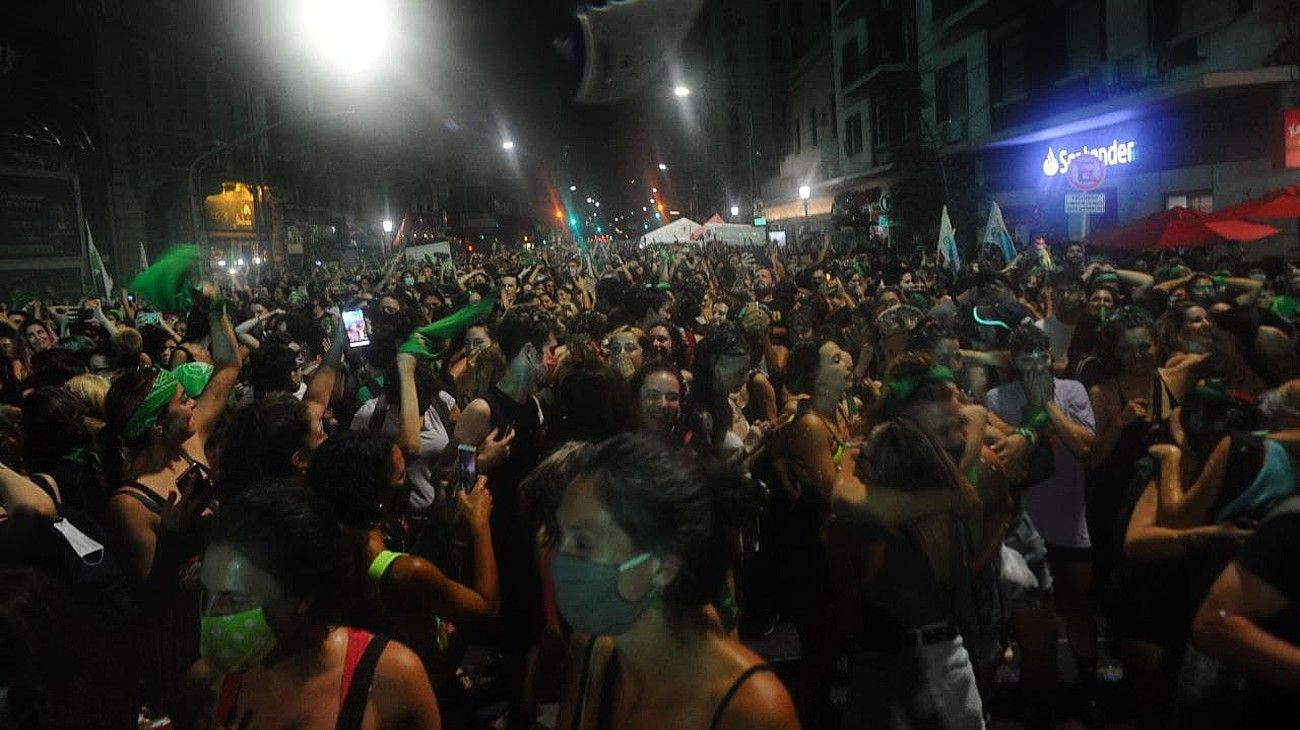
{"x": 421, "y": 342}
{"x": 166, "y": 284}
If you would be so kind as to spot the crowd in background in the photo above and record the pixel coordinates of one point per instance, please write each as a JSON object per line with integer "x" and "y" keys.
{"x": 565, "y": 487}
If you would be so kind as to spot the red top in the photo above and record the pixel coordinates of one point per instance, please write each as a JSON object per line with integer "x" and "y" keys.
{"x": 228, "y": 699}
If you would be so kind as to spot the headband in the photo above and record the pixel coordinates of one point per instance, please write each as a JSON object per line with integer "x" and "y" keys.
{"x": 193, "y": 377}
{"x": 160, "y": 394}
{"x": 904, "y": 387}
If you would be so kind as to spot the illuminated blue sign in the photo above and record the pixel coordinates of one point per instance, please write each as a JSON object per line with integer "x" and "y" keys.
{"x": 1116, "y": 154}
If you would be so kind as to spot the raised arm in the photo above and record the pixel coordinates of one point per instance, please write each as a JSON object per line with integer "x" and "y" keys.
{"x": 321, "y": 388}
{"x": 225, "y": 361}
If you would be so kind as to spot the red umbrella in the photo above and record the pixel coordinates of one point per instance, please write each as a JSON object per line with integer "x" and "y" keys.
{"x": 1280, "y": 203}
{"x": 1179, "y": 227}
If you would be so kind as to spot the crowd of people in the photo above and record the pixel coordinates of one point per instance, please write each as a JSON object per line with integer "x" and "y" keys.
{"x": 570, "y": 487}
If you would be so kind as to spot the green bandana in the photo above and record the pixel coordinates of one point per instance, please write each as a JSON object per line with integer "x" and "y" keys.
{"x": 1285, "y": 307}
{"x": 164, "y": 387}
{"x": 193, "y": 377}
{"x": 904, "y": 387}
{"x": 166, "y": 284}
{"x": 421, "y": 342}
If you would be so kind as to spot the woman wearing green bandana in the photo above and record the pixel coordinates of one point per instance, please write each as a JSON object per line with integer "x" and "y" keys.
{"x": 156, "y": 431}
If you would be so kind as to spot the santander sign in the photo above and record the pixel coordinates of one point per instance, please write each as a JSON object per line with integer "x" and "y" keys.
{"x": 1117, "y": 153}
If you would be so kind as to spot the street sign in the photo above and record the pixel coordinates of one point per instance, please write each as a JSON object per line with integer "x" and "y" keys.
{"x": 1086, "y": 172}
{"x": 1085, "y": 203}
{"x": 886, "y": 204}
{"x": 760, "y": 221}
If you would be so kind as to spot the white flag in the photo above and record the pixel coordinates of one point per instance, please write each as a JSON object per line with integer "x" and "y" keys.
{"x": 948, "y": 255}
{"x": 144, "y": 257}
{"x": 97, "y": 268}
{"x": 996, "y": 233}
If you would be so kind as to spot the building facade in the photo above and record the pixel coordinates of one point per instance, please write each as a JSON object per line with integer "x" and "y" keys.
{"x": 1184, "y": 100}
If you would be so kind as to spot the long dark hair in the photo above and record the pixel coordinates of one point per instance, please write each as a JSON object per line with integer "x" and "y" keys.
{"x": 260, "y": 442}
{"x": 706, "y": 399}
{"x": 53, "y": 425}
{"x": 124, "y": 397}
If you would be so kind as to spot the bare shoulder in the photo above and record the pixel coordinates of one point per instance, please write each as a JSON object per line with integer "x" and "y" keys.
{"x": 760, "y": 700}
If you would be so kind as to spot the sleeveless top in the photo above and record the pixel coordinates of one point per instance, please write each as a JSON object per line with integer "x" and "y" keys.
{"x": 359, "y": 666}
{"x": 605, "y": 710}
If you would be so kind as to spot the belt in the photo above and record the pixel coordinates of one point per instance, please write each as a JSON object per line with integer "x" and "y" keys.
{"x": 912, "y": 638}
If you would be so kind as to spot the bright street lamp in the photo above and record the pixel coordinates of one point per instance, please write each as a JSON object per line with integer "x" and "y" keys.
{"x": 507, "y": 145}
{"x": 573, "y": 188}
{"x": 388, "y": 226}
{"x": 735, "y": 211}
{"x": 805, "y": 192}
{"x": 362, "y": 28}
{"x": 681, "y": 92}
{"x": 662, "y": 166}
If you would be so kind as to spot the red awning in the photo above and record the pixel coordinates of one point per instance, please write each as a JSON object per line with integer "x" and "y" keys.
{"x": 1179, "y": 227}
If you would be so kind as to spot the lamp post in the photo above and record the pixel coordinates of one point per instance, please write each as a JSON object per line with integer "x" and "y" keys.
{"x": 200, "y": 235}
{"x": 735, "y": 212}
{"x": 805, "y": 192}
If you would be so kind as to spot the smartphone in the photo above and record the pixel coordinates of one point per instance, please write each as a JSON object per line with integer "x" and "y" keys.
{"x": 354, "y": 322}
{"x": 144, "y": 318}
{"x": 466, "y": 466}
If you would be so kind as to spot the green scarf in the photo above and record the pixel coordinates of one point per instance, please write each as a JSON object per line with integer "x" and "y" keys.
{"x": 904, "y": 387}
{"x": 166, "y": 284}
{"x": 193, "y": 377}
{"x": 421, "y": 342}
{"x": 153, "y": 405}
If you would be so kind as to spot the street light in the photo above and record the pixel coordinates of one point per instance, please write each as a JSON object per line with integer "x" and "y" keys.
{"x": 573, "y": 188}
{"x": 662, "y": 166}
{"x": 805, "y": 192}
{"x": 507, "y": 145}
{"x": 681, "y": 92}
{"x": 388, "y": 226}
{"x": 735, "y": 211}
{"x": 362, "y": 28}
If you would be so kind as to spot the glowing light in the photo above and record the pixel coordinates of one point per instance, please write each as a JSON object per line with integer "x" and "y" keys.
{"x": 388, "y": 226}
{"x": 362, "y": 28}
{"x": 257, "y": 260}
{"x": 232, "y": 271}
{"x": 507, "y": 145}
{"x": 559, "y": 215}
{"x": 239, "y": 262}
{"x": 573, "y": 188}
{"x": 805, "y": 192}
{"x": 654, "y": 190}
{"x": 681, "y": 92}
{"x": 221, "y": 263}
{"x": 735, "y": 211}
{"x": 597, "y": 203}
{"x": 662, "y": 166}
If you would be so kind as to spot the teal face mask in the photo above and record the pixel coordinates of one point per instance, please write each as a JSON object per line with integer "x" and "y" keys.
{"x": 587, "y": 595}
{"x": 235, "y": 642}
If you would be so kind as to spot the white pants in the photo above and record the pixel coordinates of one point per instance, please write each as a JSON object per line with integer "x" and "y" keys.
{"x": 929, "y": 687}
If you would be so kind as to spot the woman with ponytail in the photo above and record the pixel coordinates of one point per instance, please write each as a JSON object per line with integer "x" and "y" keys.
{"x": 646, "y": 536}
{"x": 157, "y": 430}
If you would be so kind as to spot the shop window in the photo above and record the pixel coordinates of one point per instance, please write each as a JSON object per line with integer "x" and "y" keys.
{"x": 853, "y": 134}
{"x": 950, "y": 92}
{"x": 1198, "y": 200}
{"x": 1007, "y": 68}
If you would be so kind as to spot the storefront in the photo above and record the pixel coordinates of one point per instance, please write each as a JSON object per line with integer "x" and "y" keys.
{"x": 1205, "y": 150}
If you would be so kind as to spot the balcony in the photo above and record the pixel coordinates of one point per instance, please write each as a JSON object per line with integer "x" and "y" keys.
{"x": 888, "y": 60}
{"x": 953, "y": 15}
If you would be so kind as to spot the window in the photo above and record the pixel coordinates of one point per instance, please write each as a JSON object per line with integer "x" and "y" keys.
{"x": 853, "y": 134}
{"x": 812, "y": 126}
{"x": 1198, "y": 200}
{"x": 950, "y": 92}
{"x": 888, "y": 123}
{"x": 1085, "y": 44}
{"x": 1007, "y": 68}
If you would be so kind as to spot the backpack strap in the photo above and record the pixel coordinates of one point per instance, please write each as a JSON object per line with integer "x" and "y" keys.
{"x": 364, "y": 650}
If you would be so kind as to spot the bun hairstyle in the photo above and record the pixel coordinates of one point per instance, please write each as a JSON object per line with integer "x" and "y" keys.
{"x": 671, "y": 503}
{"x": 913, "y": 378}
{"x": 898, "y": 455}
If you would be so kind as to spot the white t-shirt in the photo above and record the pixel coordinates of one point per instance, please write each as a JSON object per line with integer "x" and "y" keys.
{"x": 434, "y": 439}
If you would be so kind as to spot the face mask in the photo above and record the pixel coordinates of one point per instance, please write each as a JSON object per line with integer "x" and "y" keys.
{"x": 587, "y": 595}
{"x": 236, "y": 642}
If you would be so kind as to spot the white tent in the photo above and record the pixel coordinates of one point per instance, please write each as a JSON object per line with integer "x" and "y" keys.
{"x": 679, "y": 231}
{"x": 733, "y": 234}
